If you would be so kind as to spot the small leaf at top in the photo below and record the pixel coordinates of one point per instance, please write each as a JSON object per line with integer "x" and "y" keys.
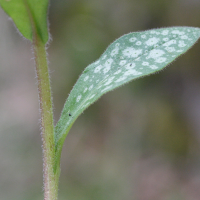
{"x": 26, "y": 12}
{"x": 131, "y": 56}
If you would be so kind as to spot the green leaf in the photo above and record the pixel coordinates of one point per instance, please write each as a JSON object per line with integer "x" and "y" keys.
{"x": 27, "y": 14}
{"x": 131, "y": 56}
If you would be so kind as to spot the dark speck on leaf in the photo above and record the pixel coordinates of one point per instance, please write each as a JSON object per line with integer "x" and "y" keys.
{"x": 70, "y": 114}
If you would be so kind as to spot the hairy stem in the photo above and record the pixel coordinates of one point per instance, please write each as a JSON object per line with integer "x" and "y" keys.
{"x": 51, "y": 175}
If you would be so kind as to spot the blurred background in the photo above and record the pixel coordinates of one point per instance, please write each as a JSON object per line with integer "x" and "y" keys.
{"x": 139, "y": 142}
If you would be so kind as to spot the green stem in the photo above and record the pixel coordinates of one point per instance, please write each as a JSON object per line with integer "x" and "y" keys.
{"x": 50, "y": 173}
{"x": 50, "y": 176}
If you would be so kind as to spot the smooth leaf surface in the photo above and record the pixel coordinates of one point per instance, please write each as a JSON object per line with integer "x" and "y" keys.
{"x": 26, "y": 12}
{"x": 131, "y": 56}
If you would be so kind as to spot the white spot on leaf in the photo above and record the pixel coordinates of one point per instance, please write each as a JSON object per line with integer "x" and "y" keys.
{"x": 91, "y": 86}
{"x": 178, "y": 32}
{"x": 131, "y": 52}
{"x": 86, "y": 78}
{"x": 153, "y": 67}
{"x": 155, "y": 53}
{"x": 97, "y": 62}
{"x": 165, "y": 39}
{"x": 98, "y": 68}
{"x": 179, "y": 50}
{"x": 165, "y": 32}
{"x": 109, "y": 80}
{"x": 145, "y": 63}
{"x": 106, "y": 88}
{"x": 160, "y": 60}
{"x": 152, "y": 41}
{"x": 122, "y": 62}
{"x": 114, "y": 51}
{"x": 184, "y": 37}
{"x": 132, "y": 72}
{"x": 121, "y": 79}
{"x": 91, "y": 96}
{"x": 170, "y": 49}
{"x": 133, "y": 39}
{"x": 104, "y": 57}
{"x": 85, "y": 90}
{"x": 143, "y": 36}
{"x": 170, "y": 43}
{"x": 117, "y": 72}
{"x": 78, "y": 98}
{"x": 138, "y": 43}
{"x": 181, "y": 44}
{"x": 107, "y": 65}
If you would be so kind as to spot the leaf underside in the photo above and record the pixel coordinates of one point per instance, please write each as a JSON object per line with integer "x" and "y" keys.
{"x": 131, "y": 56}
{"x": 26, "y": 12}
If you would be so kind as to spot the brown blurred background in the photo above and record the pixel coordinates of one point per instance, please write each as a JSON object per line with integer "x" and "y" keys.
{"x": 139, "y": 142}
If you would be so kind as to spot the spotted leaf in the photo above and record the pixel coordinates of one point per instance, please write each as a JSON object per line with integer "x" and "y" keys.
{"x": 131, "y": 56}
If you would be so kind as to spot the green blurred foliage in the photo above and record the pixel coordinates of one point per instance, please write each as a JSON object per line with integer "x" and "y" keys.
{"x": 138, "y": 142}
